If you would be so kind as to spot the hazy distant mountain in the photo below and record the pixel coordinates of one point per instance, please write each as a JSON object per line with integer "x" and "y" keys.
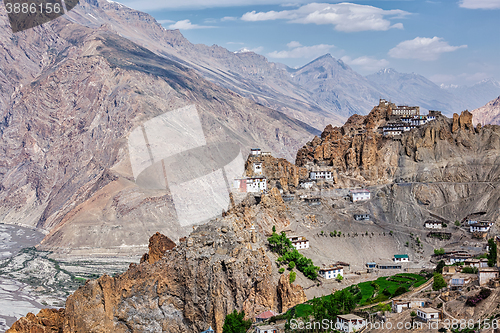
{"x": 336, "y": 85}
{"x": 476, "y": 95}
{"x": 488, "y": 114}
{"x": 414, "y": 89}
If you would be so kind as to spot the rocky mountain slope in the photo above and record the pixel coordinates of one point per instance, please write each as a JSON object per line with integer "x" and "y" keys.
{"x": 220, "y": 267}
{"x": 488, "y": 114}
{"x": 65, "y": 163}
{"x": 414, "y": 89}
{"x": 475, "y": 95}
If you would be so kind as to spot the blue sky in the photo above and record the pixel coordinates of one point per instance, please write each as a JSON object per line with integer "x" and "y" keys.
{"x": 449, "y": 41}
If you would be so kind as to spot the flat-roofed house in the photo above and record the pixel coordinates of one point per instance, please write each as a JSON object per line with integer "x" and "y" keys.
{"x": 331, "y": 272}
{"x": 359, "y": 195}
{"x": 398, "y": 305}
{"x": 401, "y": 258}
{"x": 480, "y": 227}
{"x": 299, "y": 242}
{"x": 257, "y": 168}
{"x": 428, "y": 314}
{"x": 486, "y": 274}
{"x": 350, "y": 323}
{"x": 472, "y": 262}
{"x": 433, "y": 224}
{"x": 255, "y": 151}
{"x": 315, "y": 175}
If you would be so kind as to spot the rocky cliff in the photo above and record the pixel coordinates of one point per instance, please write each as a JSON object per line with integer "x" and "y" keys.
{"x": 443, "y": 150}
{"x": 488, "y": 114}
{"x": 221, "y": 266}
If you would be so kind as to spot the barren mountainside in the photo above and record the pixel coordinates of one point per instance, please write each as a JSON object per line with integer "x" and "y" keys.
{"x": 488, "y": 114}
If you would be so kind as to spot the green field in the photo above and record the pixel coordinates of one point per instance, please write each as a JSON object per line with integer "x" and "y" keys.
{"x": 371, "y": 292}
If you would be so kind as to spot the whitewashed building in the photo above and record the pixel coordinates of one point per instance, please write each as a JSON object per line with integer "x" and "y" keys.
{"x": 316, "y": 175}
{"x": 486, "y": 274}
{"x": 405, "y": 110}
{"x": 398, "y": 305}
{"x": 350, "y": 323}
{"x": 257, "y": 168}
{"x": 359, "y": 195}
{"x": 299, "y": 242}
{"x": 331, "y": 272}
{"x": 433, "y": 224}
{"x": 480, "y": 227}
{"x": 401, "y": 258}
{"x": 428, "y": 314}
{"x": 255, "y": 151}
{"x": 250, "y": 185}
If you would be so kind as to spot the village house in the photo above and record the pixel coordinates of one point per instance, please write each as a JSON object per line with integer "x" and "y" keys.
{"x": 359, "y": 195}
{"x": 299, "y": 242}
{"x": 257, "y": 168}
{"x": 428, "y": 314}
{"x": 457, "y": 258}
{"x": 266, "y": 329}
{"x": 362, "y": 217}
{"x": 458, "y": 281}
{"x": 350, "y": 323}
{"x": 401, "y": 258}
{"x": 306, "y": 185}
{"x": 266, "y": 153}
{"x": 399, "y": 305}
{"x": 472, "y": 262}
{"x": 317, "y": 175}
{"x": 265, "y": 316}
{"x": 447, "y": 270}
{"x": 486, "y": 274}
{"x": 370, "y": 266}
{"x": 405, "y": 111}
{"x": 433, "y": 224}
{"x": 255, "y": 151}
{"x": 250, "y": 185}
{"x": 389, "y": 266}
{"x": 316, "y": 201}
{"x": 483, "y": 262}
{"x": 331, "y": 272}
{"x": 480, "y": 227}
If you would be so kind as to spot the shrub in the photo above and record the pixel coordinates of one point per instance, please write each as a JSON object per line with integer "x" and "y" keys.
{"x": 439, "y": 282}
{"x": 470, "y": 270}
{"x": 281, "y": 270}
{"x": 291, "y": 265}
{"x": 439, "y": 252}
{"x": 400, "y": 291}
{"x": 331, "y": 233}
{"x": 339, "y": 278}
{"x": 457, "y": 223}
{"x": 292, "y": 277}
{"x": 475, "y": 300}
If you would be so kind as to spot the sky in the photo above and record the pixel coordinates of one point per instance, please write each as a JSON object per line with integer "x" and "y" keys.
{"x": 449, "y": 41}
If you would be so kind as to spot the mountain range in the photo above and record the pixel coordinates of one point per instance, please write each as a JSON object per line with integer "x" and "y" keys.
{"x": 324, "y": 91}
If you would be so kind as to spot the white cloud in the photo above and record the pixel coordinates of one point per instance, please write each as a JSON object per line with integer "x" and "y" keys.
{"x": 422, "y": 48}
{"x": 165, "y": 21}
{"x": 366, "y": 63}
{"x": 345, "y": 17}
{"x": 480, "y": 4}
{"x": 228, "y": 18}
{"x": 187, "y": 25}
{"x": 254, "y": 50}
{"x": 296, "y": 50}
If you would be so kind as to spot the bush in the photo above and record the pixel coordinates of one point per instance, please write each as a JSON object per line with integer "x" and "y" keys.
{"x": 470, "y": 270}
{"x": 439, "y": 282}
{"x": 400, "y": 291}
{"x": 234, "y": 323}
{"x": 475, "y": 300}
{"x": 439, "y": 252}
{"x": 292, "y": 277}
{"x": 339, "y": 278}
{"x": 457, "y": 223}
{"x": 281, "y": 270}
{"x": 291, "y": 265}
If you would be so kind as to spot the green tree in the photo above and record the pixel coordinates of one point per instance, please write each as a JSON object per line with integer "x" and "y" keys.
{"x": 339, "y": 278}
{"x": 492, "y": 254}
{"x": 457, "y": 223}
{"x": 235, "y": 323}
{"x": 439, "y": 282}
{"x": 340, "y": 234}
{"x": 439, "y": 252}
{"x": 281, "y": 270}
{"x": 280, "y": 243}
{"x": 439, "y": 267}
{"x": 291, "y": 265}
{"x": 274, "y": 229}
{"x": 292, "y": 277}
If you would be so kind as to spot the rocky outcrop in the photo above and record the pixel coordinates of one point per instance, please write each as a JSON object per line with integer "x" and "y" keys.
{"x": 289, "y": 294}
{"x": 219, "y": 267}
{"x": 46, "y": 321}
{"x": 158, "y": 245}
{"x": 488, "y": 114}
{"x": 277, "y": 171}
